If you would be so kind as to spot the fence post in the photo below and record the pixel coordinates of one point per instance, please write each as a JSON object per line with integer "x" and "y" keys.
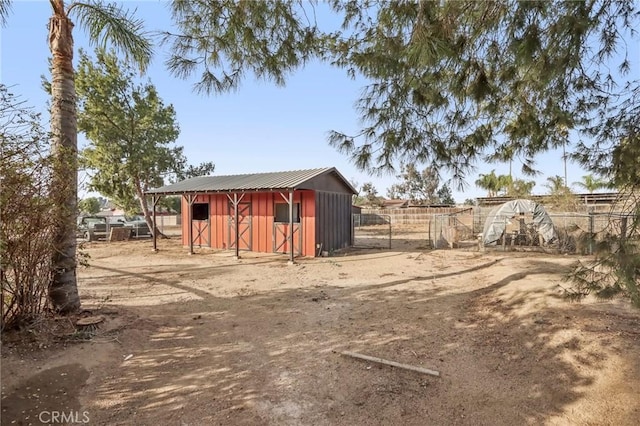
{"x": 504, "y": 236}
{"x": 389, "y": 219}
{"x": 436, "y": 232}
{"x": 591, "y": 233}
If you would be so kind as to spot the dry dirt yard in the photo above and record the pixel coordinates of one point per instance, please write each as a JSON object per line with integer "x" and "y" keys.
{"x": 206, "y": 339}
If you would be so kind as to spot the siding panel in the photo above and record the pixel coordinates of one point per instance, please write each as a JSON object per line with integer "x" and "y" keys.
{"x": 333, "y": 220}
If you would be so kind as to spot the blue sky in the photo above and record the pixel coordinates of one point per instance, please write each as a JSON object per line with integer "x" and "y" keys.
{"x": 260, "y": 128}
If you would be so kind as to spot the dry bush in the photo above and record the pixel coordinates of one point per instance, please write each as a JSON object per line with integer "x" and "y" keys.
{"x": 25, "y": 213}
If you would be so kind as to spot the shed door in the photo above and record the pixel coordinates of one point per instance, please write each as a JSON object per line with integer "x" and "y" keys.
{"x": 281, "y": 238}
{"x": 200, "y": 229}
{"x": 200, "y": 233}
{"x": 244, "y": 227}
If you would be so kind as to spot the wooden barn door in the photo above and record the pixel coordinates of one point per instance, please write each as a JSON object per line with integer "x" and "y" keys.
{"x": 281, "y": 238}
{"x": 244, "y": 227}
{"x": 199, "y": 226}
{"x": 200, "y": 232}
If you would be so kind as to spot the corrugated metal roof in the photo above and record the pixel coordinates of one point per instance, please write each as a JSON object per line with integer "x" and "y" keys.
{"x": 246, "y": 182}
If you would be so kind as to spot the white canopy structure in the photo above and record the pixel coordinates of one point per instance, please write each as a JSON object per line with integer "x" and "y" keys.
{"x": 497, "y": 220}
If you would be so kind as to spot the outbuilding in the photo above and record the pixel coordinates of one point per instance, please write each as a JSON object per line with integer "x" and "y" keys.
{"x": 301, "y": 212}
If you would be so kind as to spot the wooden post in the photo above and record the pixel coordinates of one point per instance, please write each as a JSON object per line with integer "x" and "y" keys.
{"x": 391, "y": 363}
{"x": 154, "y": 201}
{"x": 291, "y": 226}
{"x": 236, "y": 225}
{"x": 190, "y": 199}
{"x": 504, "y": 236}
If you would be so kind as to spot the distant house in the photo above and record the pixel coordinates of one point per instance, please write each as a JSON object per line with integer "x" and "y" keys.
{"x": 382, "y": 203}
{"x": 400, "y": 204}
{"x": 395, "y": 204}
{"x": 603, "y": 198}
{"x": 301, "y": 212}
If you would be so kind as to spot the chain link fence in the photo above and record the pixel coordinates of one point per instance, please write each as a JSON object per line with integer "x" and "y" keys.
{"x": 577, "y": 232}
{"x": 372, "y": 231}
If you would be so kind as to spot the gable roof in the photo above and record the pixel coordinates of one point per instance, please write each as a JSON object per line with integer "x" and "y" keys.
{"x": 254, "y": 182}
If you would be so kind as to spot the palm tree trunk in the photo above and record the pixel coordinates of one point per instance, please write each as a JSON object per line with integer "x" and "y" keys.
{"x": 63, "y": 290}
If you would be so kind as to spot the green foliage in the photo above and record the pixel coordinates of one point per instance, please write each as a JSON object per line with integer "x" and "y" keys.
{"x": 451, "y": 82}
{"x": 110, "y": 23}
{"x": 625, "y": 169}
{"x": 505, "y": 184}
{"x": 222, "y": 40}
{"x": 172, "y": 204}
{"x": 131, "y": 132}
{"x": 129, "y": 128}
{"x": 555, "y": 184}
{"x": 370, "y": 194}
{"x": 491, "y": 182}
{"x": 445, "y": 196}
{"x": 454, "y": 80}
{"x": 519, "y": 188}
{"x": 186, "y": 171}
{"x": 560, "y": 195}
{"x": 5, "y": 9}
{"x": 420, "y": 187}
{"x": 591, "y": 183}
{"x": 615, "y": 269}
{"x": 89, "y": 205}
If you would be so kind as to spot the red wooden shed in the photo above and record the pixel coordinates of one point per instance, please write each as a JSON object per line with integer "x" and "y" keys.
{"x": 301, "y": 212}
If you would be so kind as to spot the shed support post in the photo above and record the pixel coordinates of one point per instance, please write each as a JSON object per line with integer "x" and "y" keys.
{"x": 236, "y": 217}
{"x": 154, "y": 202}
{"x": 190, "y": 200}
{"x": 291, "y": 226}
{"x": 236, "y": 225}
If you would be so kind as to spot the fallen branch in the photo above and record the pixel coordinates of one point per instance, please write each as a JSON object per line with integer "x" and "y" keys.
{"x": 391, "y": 363}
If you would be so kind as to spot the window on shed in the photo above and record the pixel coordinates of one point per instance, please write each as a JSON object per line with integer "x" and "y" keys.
{"x": 282, "y": 212}
{"x": 200, "y": 211}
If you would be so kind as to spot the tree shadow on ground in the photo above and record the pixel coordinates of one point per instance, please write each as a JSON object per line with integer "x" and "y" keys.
{"x": 273, "y": 357}
{"x": 46, "y": 397}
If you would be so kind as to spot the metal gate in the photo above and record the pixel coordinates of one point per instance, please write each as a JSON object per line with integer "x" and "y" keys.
{"x": 281, "y": 238}
{"x": 371, "y": 230}
{"x": 244, "y": 227}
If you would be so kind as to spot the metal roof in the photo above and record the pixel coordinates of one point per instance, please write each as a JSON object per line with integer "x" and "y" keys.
{"x": 248, "y": 182}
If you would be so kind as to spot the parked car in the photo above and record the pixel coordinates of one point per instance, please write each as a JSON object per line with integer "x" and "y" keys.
{"x": 91, "y": 228}
{"x": 137, "y": 224}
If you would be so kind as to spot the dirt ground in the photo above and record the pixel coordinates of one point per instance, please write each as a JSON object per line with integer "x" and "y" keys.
{"x": 207, "y": 339}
